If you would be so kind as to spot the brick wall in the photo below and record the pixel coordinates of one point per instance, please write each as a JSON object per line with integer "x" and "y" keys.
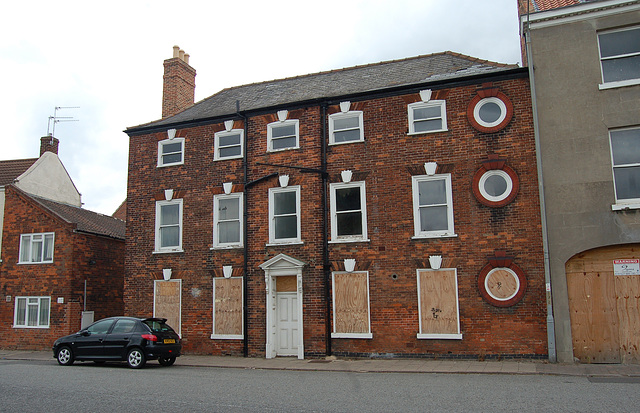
{"x": 386, "y": 158}
{"x": 76, "y": 256}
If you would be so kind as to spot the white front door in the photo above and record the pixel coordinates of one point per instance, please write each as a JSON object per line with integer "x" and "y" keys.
{"x": 287, "y": 324}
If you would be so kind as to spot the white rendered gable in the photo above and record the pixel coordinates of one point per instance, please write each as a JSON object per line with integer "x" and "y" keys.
{"x": 47, "y": 178}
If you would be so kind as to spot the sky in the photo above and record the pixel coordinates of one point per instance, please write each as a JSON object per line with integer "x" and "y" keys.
{"x": 101, "y": 62}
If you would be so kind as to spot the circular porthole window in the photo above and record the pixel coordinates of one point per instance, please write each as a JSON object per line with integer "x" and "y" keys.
{"x": 502, "y": 286}
{"x": 495, "y": 187}
{"x": 490, "y": 114}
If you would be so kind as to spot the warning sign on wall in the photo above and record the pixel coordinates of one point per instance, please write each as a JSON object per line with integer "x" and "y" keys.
{"x": 626, "y": 267}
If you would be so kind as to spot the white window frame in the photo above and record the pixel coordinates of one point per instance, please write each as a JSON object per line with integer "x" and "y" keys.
{"x": 334, "y": 334}
{"x": 344, "y": 115}
{"x": 276, "y": 124}
{"x": 217, "y": 147}
{"x": 630, "y": 203}
{"x": 620, "y": 83}
{"x": 272, "y": 235}
{"x": 159, "y": 205}
{"x": 418, "y": 233}
{"x": 214, "y": 335}
{"x": 38, "y": 304}
{"x": 421, "y": 105}
{"x": 42, "y": 238}
{"x": 216, "y": 220}
{"x": 161, "y": 164}
{"x": 335, "y": 238}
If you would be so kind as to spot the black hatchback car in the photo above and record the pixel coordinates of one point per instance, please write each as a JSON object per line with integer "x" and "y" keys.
{"x": 130, "y": 339}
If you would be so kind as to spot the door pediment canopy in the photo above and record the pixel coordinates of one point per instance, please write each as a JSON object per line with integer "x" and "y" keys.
{"x": 281, "y": 261}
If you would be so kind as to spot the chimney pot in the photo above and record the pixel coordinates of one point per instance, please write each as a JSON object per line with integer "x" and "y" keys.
{"x": 181, "y": 54}
{"x": 186, "y": 58}
{"x": 179, "y": 83}
{"x": 176, "y": 51}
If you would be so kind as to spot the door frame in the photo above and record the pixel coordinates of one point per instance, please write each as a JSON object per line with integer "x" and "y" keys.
{"x": 281, "y": 265}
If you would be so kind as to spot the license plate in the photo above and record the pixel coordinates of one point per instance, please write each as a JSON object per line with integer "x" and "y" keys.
{"x": 169, "y": 341}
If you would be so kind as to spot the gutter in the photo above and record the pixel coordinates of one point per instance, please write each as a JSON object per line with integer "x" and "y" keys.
{"x": 551, "y": 337}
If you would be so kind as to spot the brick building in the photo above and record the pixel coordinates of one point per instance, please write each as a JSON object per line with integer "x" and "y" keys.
{"x": 59, "y": 262}
{"x": 389, "y": 210}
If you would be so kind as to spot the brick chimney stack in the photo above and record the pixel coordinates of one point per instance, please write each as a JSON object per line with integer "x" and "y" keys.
{"x": 48, "y": 144}
{"x": 179, "y": 83}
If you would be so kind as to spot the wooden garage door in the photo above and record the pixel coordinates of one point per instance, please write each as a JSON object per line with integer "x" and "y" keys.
{"x": 604, "y": 306}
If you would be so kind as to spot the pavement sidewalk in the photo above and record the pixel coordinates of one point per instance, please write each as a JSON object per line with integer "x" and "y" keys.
{"x": 382, "y": 365}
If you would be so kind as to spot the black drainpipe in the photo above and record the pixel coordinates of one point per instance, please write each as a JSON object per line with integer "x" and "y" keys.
{"x": 326, "y": 267}
{"x": 245, "y": 275}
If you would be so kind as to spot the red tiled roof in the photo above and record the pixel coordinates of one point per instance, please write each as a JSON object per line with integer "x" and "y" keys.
{"x": 10, "y": 170}
{"x": 542, "y": 5}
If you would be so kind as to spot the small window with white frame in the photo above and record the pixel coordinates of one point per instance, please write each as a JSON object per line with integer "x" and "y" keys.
{"x": 32, "y": 312}
{"x": 169, "y": 226}
{"x": 348, "y": 212}
{"x": 625, "y": 155}
{"x": 620, "y": 56}
{"x": 228, "y": 144}
{"x": 227, "y": 220}
{"x": 36, "y": 248}
{"x": 427, "y": 117}
{"x": 282, "y": 135}
{"x": 432, "y": 206}
{"x": 284, "y": 215}
{"x": 171, "y": 152}
{"x": 346, "y": 127}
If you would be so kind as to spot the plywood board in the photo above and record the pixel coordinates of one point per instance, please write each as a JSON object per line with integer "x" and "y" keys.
{"x": 286, "y": 284}
{"x": 228, "y": 306}
{"x": 351, "y": 302}
{"x": 628, "y": 305}
{"x": 167, "y": 302}
{"x": 438, "y": 302}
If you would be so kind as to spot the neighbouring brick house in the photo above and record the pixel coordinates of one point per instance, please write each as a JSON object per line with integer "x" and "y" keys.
{"x": 59, "y": 261}
{"x": 390, "y": 209}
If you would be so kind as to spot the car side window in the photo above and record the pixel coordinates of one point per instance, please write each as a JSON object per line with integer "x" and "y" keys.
{"x": 101, "y": 327}
{"x": 124, "y": 326}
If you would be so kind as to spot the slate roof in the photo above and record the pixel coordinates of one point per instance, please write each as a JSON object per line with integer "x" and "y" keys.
{"x": 85, "y": 220}
{"x": 335, "y": 83}
{"x": 10, "y": 170}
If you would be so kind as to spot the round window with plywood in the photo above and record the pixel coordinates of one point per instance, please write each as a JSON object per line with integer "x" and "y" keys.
{"x": 502, "y": 286}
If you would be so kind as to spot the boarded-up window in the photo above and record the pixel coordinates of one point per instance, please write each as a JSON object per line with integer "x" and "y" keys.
{"x": 227, "y": 308}
{"x": 438, "y": 304}
{"x": 351, "y": 305}
{"x": 168, "y": 302}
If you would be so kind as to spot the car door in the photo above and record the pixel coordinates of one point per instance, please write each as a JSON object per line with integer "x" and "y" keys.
{"x": 119, "y": 338}
{"x": 89, "y": 342}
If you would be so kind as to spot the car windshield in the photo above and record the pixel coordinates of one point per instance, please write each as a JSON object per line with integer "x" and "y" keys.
{"x": 158, "y": 326}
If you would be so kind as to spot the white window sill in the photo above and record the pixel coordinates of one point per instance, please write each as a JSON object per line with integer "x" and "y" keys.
{"x": 168, "y": 251}
{"x": 170, "y": 164}
{"x": 283, "y": 149}
{"x": 622, "y": 83}
{"x": 346, "y": 241}
{"x": 279, "y": 244}
{"x": 426, "y": 133}
{"x": 227, "y": 158}
{"x": 37, "y": 327}
{"x": 226, "y": 337}
{"x": 226, "y": 247}
{"x": 36, "y": 263}
{"x": 440, "y": 336}
{"x": 352, "y": 335}
{"x": 346, "y": 142}
{"x": 435, "y": 236}
{"x": 622, "y": 207}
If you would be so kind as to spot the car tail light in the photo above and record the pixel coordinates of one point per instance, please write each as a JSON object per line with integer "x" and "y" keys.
{"x": 150, "y": 337}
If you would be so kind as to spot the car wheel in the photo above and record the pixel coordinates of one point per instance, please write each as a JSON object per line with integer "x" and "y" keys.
{"x": 136, "y": 358}
{"x": 65, "y": 356}
{"x": 166, "y": 361}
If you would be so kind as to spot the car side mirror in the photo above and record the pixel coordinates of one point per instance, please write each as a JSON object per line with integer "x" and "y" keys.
{"x": 85, "y": 333}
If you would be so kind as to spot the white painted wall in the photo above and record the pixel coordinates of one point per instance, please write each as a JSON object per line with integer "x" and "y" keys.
{"x": 48, "y": 178}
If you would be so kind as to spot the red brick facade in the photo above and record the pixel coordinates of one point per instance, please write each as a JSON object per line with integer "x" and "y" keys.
{"x": 385, "y": 161}
{"x": 77, "y": 257}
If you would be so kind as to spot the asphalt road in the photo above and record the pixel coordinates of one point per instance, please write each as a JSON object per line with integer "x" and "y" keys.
{"x": 37, "y": 386}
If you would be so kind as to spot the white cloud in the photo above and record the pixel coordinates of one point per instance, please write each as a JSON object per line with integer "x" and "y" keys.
{"x": 107, "y": 59}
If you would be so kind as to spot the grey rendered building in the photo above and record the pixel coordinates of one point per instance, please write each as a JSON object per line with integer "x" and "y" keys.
{"x": 585, "y": 64}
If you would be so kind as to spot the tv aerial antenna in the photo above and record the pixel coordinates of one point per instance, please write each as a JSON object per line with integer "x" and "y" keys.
{"x": 51, "y": 124}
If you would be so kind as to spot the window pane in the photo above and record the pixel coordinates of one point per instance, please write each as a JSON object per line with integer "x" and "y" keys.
{"x": 229, "y": 232}
{"x": 283, "y": 143}
{"x": 625, "y": 145}
{"x": 36, "y": 249}
{"x": 171, "y": 147}
{"x": 427, "y": 125}
{"x": 489, "y": 112}
{"x": 427, "y": 113}
{"x": 286, "y": 227}
{"x": 48, "y": 247}
{"x": 346, "y": 136}
{"x": 230, "y": 151}
{"x": 170, "y": 236}
{"x": 348, "y": 199}
{"x": 169, "y": 214}
{"x": 21, "y": 312}
{"x": 619, "y": 43}
{"x": 228, "y": 209}
{"x": 284, "y": 203}
{"x": 25, "y": 248}
{"x": 627, "y": 182}
{"x": 432, "y": 192}
{"x": 616, "y": 70}
{"x": 44, "y": 312}
{"x": 349, "y": 223}
{"x": 32, "y": 313}
{"x": 347, "y": 123}
{"x": 495, "y": 185}
{"x": 229, "y": 140}
{"x": 175, "y": 158}
{"x": 286, "y": 130}
{"x": 433, "y": 218}
{"x": 101, "y": 327}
